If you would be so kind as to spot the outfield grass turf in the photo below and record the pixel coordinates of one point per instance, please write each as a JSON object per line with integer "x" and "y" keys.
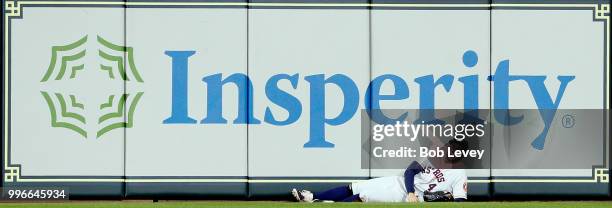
{"x": 227, "y": 204}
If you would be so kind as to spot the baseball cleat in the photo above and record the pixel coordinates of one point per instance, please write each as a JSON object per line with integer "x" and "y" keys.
{"x": 302, "y": 195}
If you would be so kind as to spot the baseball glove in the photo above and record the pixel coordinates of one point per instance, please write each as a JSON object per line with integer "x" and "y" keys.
{"x": 438, "y": 196}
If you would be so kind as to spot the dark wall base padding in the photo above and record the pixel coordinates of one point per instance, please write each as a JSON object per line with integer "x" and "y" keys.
{"x": 546, "y": 190}
{"x": 165, "y": 190}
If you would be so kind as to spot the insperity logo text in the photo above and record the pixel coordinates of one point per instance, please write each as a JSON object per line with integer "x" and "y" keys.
{"x": 500, "y": 80}
{"x": 94, "y": 112}
{"x": 84, "y": 86}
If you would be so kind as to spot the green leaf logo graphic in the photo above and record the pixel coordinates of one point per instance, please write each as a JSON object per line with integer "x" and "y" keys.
{"x": 118, "y": 60}
{"x": 64, "y": 113}
{"x": 117, "y": 111}
{"x": 55, "y": 50}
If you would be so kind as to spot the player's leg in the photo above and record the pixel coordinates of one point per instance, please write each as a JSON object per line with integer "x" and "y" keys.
{"x": 353, "y": 198}
{"x": 335, "y": 194}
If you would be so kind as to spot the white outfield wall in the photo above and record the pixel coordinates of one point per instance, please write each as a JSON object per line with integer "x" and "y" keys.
{"x": 220, "y": 47}
{"x": 67, "y": 121}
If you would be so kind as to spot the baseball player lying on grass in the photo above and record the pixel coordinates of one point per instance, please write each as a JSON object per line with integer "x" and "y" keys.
{"x": 418, "y": 184}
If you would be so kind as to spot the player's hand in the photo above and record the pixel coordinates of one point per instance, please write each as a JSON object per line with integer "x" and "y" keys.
{"x": 412, "y": 197}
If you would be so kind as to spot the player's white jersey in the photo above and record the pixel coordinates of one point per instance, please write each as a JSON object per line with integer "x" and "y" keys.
{"x": 383, "y": 189}
{"x": 447, "y": 180}
{"x": 393, "y": 189}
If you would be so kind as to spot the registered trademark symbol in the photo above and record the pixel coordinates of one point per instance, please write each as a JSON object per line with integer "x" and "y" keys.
{"x": 568, "y": 121}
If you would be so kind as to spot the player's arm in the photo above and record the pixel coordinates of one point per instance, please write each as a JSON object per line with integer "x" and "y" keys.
{"x": 411, "y": 171}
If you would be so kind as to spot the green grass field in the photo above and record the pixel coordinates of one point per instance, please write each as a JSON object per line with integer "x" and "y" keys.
{"x": 227, "y": 204}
